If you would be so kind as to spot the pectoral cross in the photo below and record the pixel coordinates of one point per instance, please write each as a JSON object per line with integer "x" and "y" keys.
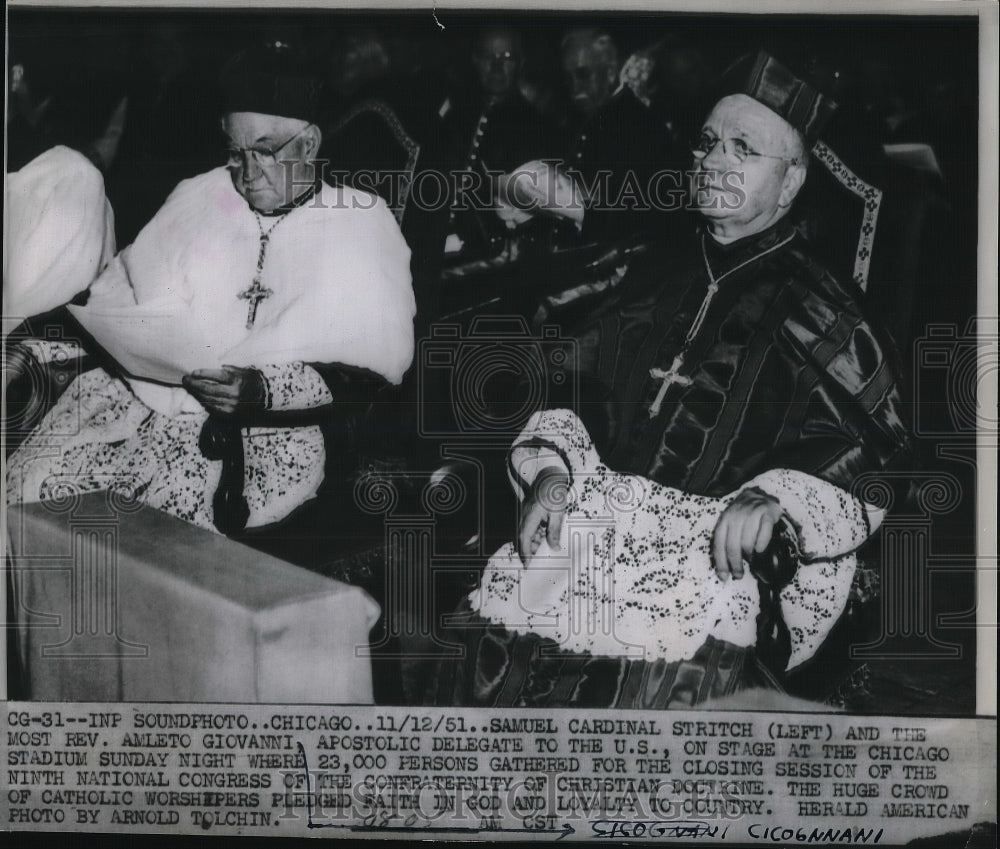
{"x": 255, "y": 294}
{"x": 669, "y": 377}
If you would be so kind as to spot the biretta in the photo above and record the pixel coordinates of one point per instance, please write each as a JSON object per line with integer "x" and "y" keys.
{"x": 770, "y": 83}
{"x": 271, "y": 78}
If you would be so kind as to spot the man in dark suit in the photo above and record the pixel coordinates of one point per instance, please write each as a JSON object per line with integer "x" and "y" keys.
{"x": 618, "y": 147}
{"x": 491, "y": 131}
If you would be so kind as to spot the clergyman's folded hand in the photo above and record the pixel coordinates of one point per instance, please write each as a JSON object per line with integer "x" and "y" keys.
{"x": 229, "y": 391}
{"x": 745, "y": 528}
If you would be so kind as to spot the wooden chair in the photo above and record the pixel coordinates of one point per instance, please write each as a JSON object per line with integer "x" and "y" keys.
{"x": 888, "y": 238}
{"x": 369, "y": 149}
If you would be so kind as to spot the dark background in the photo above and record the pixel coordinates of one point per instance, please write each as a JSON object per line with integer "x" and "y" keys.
{"x": 898, "y": 79}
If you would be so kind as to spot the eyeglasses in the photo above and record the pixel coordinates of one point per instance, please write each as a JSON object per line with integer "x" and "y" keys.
{"x": 737, "y": 151}
{"x": 264, "y": 158}
{"x": 505, "y": 57}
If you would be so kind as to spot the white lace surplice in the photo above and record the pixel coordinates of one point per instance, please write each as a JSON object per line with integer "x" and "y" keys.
{"x": 634, "y": 576}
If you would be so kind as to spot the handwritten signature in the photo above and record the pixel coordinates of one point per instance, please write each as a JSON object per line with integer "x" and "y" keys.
{"x": 659, "y": 829}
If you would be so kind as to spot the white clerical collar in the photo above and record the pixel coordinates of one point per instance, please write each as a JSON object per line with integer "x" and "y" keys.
{"x": 300, "y": 200}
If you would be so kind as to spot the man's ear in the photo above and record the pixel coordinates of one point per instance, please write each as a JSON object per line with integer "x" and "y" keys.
{"x": 16, "y": 77}
{"x": 314, "y": 139}
{"x": 795, "y": 178}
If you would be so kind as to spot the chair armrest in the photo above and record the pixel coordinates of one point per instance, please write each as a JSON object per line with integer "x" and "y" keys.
{"x": 774, "y": 568}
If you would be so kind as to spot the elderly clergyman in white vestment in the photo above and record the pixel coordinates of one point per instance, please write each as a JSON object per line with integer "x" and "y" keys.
{"x": 246, "y": 310}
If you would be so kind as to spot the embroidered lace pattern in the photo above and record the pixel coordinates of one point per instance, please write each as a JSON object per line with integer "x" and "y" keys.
{"x": 634, "y": 576}
{"x": 100, "y": 436}
{"x": 294, "y": 386}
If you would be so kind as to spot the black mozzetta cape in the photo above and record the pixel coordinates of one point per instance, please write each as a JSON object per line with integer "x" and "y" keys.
{"x": 785, "y": 372}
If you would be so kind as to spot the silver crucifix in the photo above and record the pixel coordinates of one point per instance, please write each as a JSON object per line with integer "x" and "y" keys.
{"x": 255, "y": 294}
{"x": 669, "y": 377}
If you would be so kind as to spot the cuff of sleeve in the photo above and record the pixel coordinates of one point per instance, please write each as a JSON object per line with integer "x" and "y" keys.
{"x": 265, "y": 387}
{"x": 563, "y": 433}
{"x": 293, "y": 386}
{"x": 528, "y": 461}
{"x": 52, "y": 350}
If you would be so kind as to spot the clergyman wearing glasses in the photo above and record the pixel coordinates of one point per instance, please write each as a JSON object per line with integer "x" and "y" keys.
{"x": 298, "y": 295}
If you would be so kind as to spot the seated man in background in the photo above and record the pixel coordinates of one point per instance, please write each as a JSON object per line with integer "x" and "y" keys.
{"x": 490, "y": 130}
{"x": 739, "y": 389}
{"x": 267, "y": 305}
{"x": 619, "y": 189}
{"x": 616, "y": 151}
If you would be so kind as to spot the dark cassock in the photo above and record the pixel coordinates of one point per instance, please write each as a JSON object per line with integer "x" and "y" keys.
{"x": 618, "y": 154}
{"x": 631, "y": 177}
{"x": 736, "y": 366}
{"x": 746, "y": 357}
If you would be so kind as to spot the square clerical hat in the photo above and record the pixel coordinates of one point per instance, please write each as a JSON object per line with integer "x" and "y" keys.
{"x": 767, "y": 81}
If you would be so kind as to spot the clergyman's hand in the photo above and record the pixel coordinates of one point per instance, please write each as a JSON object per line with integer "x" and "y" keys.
{"x": 542, "y": 513}
{"x": 744, "y": 528}
{"x": 229, "y": 391}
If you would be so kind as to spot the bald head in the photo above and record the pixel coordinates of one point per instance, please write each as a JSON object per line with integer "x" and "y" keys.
{"x": 590, "y": 60}
{"x": 794, "y": 144}
{"x": 498, "y": 57}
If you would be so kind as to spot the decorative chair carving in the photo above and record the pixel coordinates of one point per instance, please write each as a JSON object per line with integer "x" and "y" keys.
{"x": 887, "y": 238}
{"x": 370, "y": 149}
